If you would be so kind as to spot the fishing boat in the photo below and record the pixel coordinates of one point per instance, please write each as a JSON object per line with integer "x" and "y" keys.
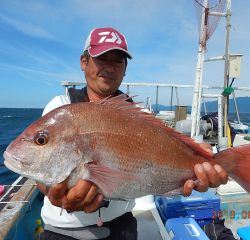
{"x": 21, "y": 202}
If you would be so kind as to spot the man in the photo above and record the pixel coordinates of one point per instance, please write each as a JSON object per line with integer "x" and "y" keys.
{"x": 104, "y": 62}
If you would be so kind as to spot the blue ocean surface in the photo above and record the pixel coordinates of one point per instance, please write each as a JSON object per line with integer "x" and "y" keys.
{"x": 13, "y": 121}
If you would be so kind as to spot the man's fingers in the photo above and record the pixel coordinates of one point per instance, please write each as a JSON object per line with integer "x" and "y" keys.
{"x": 94, "y": 204}
{"x": 81, "y": 195}
{"x": 77, "y": 193}
{"x": 207, "y": 147}
{"x": 55, "y": 194}
{"x": 212, "y": 175}
{"x": 222, "y": 173}
{"x": 202, "y": 177}
{"x": 188, "y": 187}
{"x": 91, "y": 195}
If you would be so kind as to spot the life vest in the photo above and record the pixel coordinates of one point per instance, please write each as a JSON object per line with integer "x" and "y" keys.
{"x": 81, "y": 95}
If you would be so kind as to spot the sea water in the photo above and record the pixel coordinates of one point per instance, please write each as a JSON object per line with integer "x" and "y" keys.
{"x": 13, "y": 121}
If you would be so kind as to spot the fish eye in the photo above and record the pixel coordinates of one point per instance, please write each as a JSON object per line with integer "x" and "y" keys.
{"x": 41, "y": 139}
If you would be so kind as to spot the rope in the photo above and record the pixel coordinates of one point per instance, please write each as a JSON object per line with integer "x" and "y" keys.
{"x": 208, "y": 7}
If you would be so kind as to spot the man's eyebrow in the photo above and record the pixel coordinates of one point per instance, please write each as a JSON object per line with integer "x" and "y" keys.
{"x": 121, "y": 55}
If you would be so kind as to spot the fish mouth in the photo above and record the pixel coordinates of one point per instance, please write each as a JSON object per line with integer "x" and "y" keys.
{"x": 12, "y": 161}
{"x": 21, "y": 167}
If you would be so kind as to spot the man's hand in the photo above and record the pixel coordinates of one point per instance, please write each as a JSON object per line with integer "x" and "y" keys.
{"x": 82, "y": 197}
{"x": 210, "y": 176}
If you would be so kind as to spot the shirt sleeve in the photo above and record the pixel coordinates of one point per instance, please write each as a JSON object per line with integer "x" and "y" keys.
{"x": 56, "y": 102}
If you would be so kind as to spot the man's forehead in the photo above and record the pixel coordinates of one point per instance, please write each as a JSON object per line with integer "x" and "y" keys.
{"x": 114, "y": 52}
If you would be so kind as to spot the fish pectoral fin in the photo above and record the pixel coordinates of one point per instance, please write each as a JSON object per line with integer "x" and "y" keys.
{"x": 174, "y": 193}
{"x": 108, "y": 179}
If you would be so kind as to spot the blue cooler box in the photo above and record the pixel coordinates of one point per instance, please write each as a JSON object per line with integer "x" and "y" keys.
{"x": 184, "y": 229}
{"x": 203, "y": 207}
{"x": 244, "y": 233}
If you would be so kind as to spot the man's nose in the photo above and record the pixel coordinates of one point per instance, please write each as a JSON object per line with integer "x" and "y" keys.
{"x": 109, "y": 67}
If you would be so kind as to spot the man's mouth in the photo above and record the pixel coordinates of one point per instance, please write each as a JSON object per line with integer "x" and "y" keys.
{"x": 108, "y": 77}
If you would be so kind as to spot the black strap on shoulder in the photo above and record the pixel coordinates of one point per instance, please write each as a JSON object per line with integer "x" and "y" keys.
{"x": 78, "y": 95}
{"x": 81, "y": 95}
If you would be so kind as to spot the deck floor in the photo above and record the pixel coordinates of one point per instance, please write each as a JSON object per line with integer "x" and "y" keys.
{"x": 147, "y": 227}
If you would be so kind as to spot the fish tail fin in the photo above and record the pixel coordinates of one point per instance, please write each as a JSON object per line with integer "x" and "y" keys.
{"x": 236, "y": 161}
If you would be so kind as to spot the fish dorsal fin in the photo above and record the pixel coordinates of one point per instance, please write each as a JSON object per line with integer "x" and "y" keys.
{"x": 119, "y": 102}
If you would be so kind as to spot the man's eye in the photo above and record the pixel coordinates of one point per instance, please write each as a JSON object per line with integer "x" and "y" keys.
{"x": 102, "y": 59}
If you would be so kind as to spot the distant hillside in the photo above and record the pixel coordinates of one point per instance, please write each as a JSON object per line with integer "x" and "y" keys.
{"x": 167, "y": 108}
{"x": 243, "y": 104}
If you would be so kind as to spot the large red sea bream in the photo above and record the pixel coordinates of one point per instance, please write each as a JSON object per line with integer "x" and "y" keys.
{"x": 126, "y": 152}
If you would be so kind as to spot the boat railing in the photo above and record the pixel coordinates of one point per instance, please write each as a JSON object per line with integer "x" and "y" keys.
{"x": 220, "y": 111}
{"x": 18, "y": 202}
{"x": 149, "y": 105}
{"x": 66, "y": 84}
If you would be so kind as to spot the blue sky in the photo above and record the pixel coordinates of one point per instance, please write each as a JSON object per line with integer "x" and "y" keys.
{"x": 41, "y": 43}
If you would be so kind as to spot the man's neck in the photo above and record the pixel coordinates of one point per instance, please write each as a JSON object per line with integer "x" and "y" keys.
{"x": 93, "y": 97}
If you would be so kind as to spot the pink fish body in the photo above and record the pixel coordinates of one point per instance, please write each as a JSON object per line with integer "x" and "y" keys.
{"x": 126, "y": 152}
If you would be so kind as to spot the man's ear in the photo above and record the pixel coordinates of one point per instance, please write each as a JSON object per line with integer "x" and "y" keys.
{"x": 83, "y": 62}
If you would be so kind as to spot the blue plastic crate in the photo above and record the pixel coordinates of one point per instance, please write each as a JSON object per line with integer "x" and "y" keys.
{"x": 247, "y": 130}
{"x": 244, "y": 233}
{"x": 184, "y": 229}
{"x": 200, "y": 206}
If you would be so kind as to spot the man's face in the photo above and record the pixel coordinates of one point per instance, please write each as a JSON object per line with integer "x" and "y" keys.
{"x": 104, "y": 73}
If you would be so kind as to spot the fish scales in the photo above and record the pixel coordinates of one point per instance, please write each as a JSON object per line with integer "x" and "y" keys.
{"x": 126, "y": 152}
{"x": 137, "y": 147}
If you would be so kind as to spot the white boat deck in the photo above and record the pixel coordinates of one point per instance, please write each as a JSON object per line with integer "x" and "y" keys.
{"x": 150, "y": 225}
{"x": 235, "y": 206}
{"x": 239, "y": 140}
{"x": 148, "y": 228}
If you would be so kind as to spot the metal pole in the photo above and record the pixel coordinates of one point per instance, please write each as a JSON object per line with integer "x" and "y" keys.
{"x": 171, "y": 101}
{"x": 176, "y": 92}
{"x": 236, "y": 108}
{"x": 195, "y": 115}
{"x": 178, "y": 104}
{"x": 66, "y": 91}
{"x": 220, "y": 117}
{"x": 205, "y": 109}
{"x": 226, "y": 72}
{"x": 156, "y": 99}
{"x": 214, "y": 58}
{"x": 127, "y": 88}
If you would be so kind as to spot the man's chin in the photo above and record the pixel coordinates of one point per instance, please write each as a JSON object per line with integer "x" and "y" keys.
{"x": 108, "y": 88}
